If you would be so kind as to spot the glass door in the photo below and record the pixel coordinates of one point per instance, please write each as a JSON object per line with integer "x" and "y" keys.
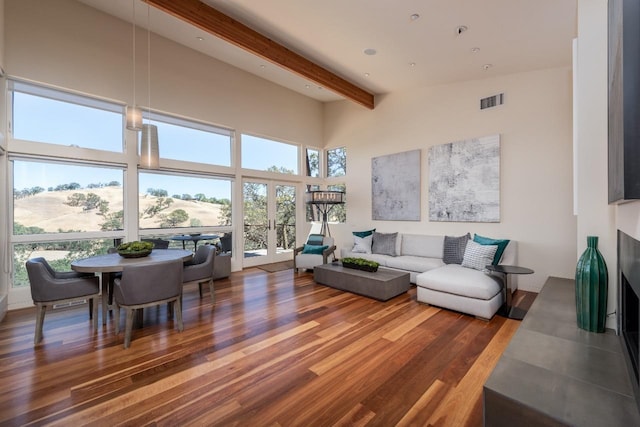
{"x": 269, "y": 222}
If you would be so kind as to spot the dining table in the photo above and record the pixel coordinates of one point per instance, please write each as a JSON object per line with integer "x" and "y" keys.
{"x": 108, "y": 264}
{"x": 195, "y": 238}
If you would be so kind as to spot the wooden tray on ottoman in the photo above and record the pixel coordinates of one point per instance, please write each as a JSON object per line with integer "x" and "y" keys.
{"x": 382, "y": 285}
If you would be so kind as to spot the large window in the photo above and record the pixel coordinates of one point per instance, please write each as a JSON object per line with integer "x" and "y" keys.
{"x": 45, "y": 115}
{"x": 192, "y": 141}
{"x": 65, "y": 198}
{"x": 268, "y": 155}
{"x": 175, "y": 201}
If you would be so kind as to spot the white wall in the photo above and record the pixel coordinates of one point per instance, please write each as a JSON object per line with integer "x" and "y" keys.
{"x": 535, "y": 125}
{"x": 595, "y": 216}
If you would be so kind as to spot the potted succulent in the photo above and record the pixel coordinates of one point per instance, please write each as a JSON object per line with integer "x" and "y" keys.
{"x": 135, "y": 249}
{"x": 360, "y": 264}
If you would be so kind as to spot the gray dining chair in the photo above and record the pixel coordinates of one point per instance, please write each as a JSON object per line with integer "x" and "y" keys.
{"x": 158, "y": 243}
{"x": 144, "y": 286}
{"x": 226, "y": 242}
{"x": 200, "y": 269}
{"x": 49, "y": 287}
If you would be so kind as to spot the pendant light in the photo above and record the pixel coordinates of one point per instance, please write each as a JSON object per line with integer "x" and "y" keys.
{"x": 149, "y": 151}
{"x": 133, "y": 113}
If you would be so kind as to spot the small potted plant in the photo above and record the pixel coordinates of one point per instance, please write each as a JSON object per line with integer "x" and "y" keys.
{"x": 360, "y": 264}
{"x": 135, "y": 249}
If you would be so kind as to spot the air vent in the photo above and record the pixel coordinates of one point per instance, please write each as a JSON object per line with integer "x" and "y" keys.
{"x": 492, "y": 101}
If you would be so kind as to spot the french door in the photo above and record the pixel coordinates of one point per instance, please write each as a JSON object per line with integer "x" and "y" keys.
{"x": 269, "y": 212}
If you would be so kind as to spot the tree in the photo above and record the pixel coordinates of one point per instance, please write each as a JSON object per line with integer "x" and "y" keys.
{"x": 337, "y": 162}
{"x": 76, "y": 199}
{"x": 92, "y": 201}
{"x": 225, "y": 212}
{"x": 255, "y": 216}
{"x": 157, "y": 192}
{"x": 174, "y": 219}
{"x": 113, "y": 221}
{"x": 162, "y": 203}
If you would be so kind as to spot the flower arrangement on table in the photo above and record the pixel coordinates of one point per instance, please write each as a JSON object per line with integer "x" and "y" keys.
{"x": 135, "y": 249}
{"x": 360, "y": 264}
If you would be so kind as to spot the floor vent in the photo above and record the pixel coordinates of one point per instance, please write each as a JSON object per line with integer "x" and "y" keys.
{"x": 70, "y": 304}
{"x": 492, "y": 101}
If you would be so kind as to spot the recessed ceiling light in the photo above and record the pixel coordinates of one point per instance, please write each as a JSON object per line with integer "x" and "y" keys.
{"x": 200, "y": 38}
{"x": 370, "y": 51}
{"x": 307, "y": 86}
{"x": 263, "y": 66}
{"x": 475, "y": 49}
{"x": 414, "y": 17}
{"x": 487, "y": 66}
{"x": 461, "y": 29}
{"x": 412, "y": 64}
{"x": 367, "y": 74}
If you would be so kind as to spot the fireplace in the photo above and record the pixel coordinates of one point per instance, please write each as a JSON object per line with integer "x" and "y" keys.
{"x": 629, "y": 305}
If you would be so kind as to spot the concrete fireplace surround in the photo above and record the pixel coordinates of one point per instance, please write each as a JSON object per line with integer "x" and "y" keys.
{"x": 554, "y": 374}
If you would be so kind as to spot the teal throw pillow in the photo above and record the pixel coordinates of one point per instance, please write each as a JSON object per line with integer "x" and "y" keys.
{"x": 315, "y": 239}
{"x": 363, "y": 233}
{"x": 500, "y": 243}
{"x": 314, "y": 249}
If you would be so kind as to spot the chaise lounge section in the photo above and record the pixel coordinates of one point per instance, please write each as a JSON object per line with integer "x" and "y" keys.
{"x": 437, "y": 266}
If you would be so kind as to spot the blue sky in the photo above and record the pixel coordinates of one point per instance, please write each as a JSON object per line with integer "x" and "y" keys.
{"x": 52, "y": 121}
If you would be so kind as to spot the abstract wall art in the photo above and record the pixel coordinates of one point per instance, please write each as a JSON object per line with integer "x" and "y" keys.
{"x": 464, "y": 180}
{"x": 395, "y": 184}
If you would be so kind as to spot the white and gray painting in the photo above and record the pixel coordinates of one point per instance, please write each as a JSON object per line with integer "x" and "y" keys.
{"x": 395, "y": 184}
{"x": 464, "y": 180}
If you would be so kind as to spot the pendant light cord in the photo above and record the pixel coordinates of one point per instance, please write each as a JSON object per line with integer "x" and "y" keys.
{"x": 134, "y": 53}
{"x": 149, "y": 62}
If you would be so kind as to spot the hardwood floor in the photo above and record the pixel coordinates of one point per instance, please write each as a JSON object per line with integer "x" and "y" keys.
{"x": 275, "y": 350}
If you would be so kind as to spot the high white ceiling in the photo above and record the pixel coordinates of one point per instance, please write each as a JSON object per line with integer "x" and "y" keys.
{"x": 510, "y": 35}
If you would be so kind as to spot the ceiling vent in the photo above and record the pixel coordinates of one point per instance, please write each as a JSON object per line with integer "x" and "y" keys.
{"x": 492, "y": 101}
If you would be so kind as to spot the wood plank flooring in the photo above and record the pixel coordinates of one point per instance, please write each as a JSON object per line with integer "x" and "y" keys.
{"x": 275, "y": 350}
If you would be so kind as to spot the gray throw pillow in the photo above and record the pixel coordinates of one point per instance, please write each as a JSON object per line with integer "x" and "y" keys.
{"x": 453, "y": 249}
{"x": 384, "y": 243}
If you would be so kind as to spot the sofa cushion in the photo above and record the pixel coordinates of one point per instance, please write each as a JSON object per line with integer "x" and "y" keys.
{"x": 478, "y": 256}
{"x": 458, "y": 280}
{"x": 453, "y": 250}
{"x": 500, "y": 243}
{"x": 384, "y": 243}
{"x": 414, "y": 263}
{"x": 422, "y": 245}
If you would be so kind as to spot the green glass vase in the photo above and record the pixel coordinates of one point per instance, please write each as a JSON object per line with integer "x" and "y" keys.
{"x": 592, "y": 281}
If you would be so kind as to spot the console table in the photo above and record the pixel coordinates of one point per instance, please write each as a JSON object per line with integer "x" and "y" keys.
{"x": 555, "y": 374}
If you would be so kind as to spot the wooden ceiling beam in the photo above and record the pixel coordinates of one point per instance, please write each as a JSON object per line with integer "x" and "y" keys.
{"x": 220, "y": 25}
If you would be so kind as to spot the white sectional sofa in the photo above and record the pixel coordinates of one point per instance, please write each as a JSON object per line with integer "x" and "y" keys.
{"x": 450, "y": 286}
